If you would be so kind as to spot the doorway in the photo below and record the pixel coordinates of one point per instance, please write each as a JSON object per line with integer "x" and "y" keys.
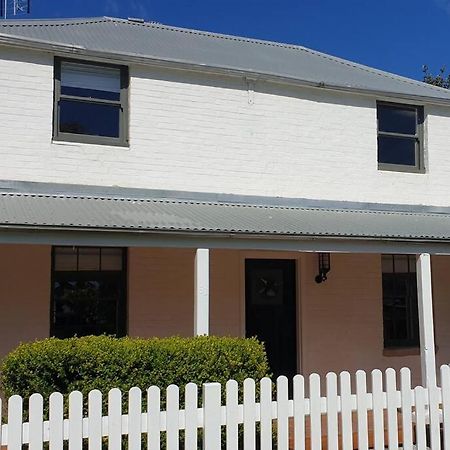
{"x": 270, "y": 307}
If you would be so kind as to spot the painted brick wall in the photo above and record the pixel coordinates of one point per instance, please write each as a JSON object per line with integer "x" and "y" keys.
{"x": 200, "y": 133}
{"x": 24, "y": 294}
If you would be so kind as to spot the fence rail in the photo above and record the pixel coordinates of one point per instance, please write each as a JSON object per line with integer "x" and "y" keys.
{"x": 347, "y": 416}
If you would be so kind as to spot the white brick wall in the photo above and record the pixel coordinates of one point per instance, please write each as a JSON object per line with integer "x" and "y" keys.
{"x": 199, "y": 133}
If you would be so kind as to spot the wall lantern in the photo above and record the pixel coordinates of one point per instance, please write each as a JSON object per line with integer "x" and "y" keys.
{"x": 324, "y": 267}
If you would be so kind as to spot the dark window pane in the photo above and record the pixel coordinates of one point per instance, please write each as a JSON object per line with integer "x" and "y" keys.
{"x": 396, "y": 120}
{"x": 400, "y": 311}
{"x": 89, "y": 118}
{"x": 90, "y": 93}
{"x": 387, "y": 264}
{"x": 401, "y": 264}
{"x": 111, "y": 259}
{"x": 397, "y": 150}
{"x": 86, "y": 307}
{"x": 87, "y": 299}
{"x": 89, "y": 80}
{"x": 66, "y": 258}
{"x": 89, "y": 258}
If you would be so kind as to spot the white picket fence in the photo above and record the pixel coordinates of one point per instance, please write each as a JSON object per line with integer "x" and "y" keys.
{"x": 301, "y": 422}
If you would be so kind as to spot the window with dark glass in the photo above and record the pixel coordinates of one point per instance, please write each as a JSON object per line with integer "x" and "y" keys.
{"x": 91, "y": 102}
{"x": 400, "y": 137}
{"x": 400, "y": 310}
{"x": 88, "y": 291}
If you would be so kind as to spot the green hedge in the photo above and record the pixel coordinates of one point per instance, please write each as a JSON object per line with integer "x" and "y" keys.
{"x": 103, "y": 362}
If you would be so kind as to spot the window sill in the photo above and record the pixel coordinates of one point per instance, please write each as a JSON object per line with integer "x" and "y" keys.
{"x": 403, "y": 351}
{"x": 400, "y": 168}
{"x": 89, "y": 144}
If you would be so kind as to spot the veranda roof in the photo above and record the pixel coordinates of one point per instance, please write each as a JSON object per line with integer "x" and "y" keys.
{"x": 35, "y": 206}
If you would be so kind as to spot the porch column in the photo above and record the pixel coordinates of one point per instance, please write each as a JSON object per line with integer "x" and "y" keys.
{"x": 201, "y": 294}
{"x": 426, "y": 324}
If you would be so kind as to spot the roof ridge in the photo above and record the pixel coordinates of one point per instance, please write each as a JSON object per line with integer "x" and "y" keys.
{"x": 52, "y": 22}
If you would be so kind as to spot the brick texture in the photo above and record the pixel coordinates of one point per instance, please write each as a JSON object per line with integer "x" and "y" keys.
{"x": 196, "y": 132}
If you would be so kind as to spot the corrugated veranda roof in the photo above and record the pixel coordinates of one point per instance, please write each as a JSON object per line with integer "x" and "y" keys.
{"x": 189, "y": 216}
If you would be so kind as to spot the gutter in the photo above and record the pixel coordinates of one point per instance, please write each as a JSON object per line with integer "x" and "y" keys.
{"x": 126, "y": 58}
{"x": 139, "y": 238}
{"x": 218, "y": 234}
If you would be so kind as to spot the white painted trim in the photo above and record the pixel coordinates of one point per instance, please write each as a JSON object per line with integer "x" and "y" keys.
{"x": 242, "y": 315}
{"x": 300, "y": 276}
{"x": 426, "y": 323}
{"x": 119, "y": 238}
{"x": 201, "y": 292}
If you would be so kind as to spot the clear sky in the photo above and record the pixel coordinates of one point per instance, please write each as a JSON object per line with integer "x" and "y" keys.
{"x": 394, "y": 35}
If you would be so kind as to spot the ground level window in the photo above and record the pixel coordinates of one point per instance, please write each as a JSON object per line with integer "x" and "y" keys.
{"x": 88, "y": 291}
{"x": 400, "y": 310}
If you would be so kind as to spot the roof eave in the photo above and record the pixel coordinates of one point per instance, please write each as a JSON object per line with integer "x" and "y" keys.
{"x": 139, "y": 238}
{"x": 77, "y": 50}
{"x": 221, "y": 234}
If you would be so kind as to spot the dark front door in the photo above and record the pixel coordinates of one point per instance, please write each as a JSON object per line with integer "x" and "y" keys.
{"x": 270, "y": 298}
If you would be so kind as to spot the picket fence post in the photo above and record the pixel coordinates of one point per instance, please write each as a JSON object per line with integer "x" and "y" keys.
{"x": 15, "y": 417}
{"x": 115, "y": 419}
{"x": 266, "y": 414}
{"x": 211, "y": 416}
{"x": 36, "y": 408}
{"x": 191, "y": 416}
{"x": 232, "y": 410}
{"x": 282, "y": 413}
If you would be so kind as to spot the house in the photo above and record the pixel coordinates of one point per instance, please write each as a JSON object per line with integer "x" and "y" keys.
{"x": 162, "y": 181}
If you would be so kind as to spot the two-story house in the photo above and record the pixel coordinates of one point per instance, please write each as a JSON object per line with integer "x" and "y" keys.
{"x": 161, "y": 181}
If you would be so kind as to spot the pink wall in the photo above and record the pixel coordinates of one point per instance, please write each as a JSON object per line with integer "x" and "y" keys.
{"x": 342, "y": 319}
{"x": 339, "y": 322}
{"x": 226, "y": 309}
{"x": 24, "y": 294}
{"x": 441, "y": 302}
{"x": 160, "y": 292}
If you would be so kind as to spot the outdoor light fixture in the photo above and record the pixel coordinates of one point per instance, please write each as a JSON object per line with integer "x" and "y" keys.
{"x": 324, "y": 267}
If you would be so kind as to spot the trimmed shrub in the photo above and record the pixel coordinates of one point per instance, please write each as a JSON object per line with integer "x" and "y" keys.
{"x": 103, "y": 362}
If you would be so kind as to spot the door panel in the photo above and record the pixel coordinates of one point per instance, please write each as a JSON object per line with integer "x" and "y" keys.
{"x": 270, "y": 297}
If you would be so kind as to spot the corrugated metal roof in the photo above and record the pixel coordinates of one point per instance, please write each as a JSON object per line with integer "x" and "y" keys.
{"x": 113, "y": 213}
{"x": 161, "y": 42}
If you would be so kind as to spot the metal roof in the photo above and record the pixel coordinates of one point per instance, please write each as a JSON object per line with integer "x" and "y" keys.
{"x": 154, "y": 41}
{"x": 84, "y": 212}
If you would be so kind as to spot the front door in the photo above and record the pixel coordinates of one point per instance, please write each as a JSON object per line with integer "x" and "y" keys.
{"x": 270, "y": 312}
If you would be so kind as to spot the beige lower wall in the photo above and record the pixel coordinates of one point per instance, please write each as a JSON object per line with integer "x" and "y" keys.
{"x": 441, "y": 302}
{"x": 339, "y": 322}
{"x": 25, "y": 272}
{"x": 343, "y": 317}
{"x": 160, "y": 292}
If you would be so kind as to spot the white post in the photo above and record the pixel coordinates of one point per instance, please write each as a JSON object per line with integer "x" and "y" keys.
{"x": 201, "y": 295}
{"x": 212, "y": 416}
{"x": 426, "y": 324}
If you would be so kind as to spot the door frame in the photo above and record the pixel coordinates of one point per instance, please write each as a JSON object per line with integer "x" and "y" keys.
{"x": 297, "y": 258}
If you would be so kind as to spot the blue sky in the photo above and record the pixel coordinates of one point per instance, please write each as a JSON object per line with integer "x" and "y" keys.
{"x": 394, "y": 35}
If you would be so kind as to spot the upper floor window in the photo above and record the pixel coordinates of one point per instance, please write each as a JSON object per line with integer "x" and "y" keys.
{"x": 400, "y": 310}
{"x": 91, "y": 103}
{"x": 400, "y": 137}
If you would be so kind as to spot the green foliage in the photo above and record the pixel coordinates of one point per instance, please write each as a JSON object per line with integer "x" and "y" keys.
{"x": 103, "y": 362}
{"x": 440, "y": 80}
